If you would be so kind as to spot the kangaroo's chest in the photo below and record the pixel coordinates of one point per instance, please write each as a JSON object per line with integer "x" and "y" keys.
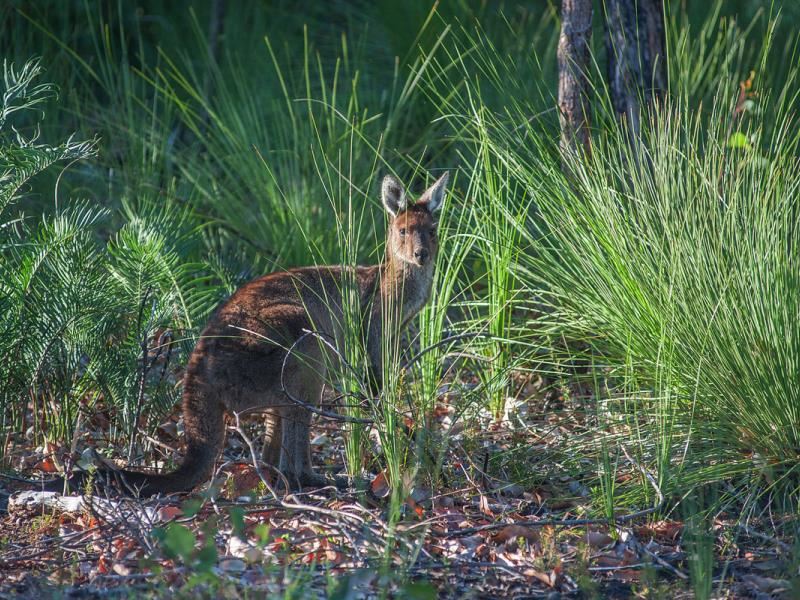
{"x": 412, "y": 293}
{"x": 417, "y": 296}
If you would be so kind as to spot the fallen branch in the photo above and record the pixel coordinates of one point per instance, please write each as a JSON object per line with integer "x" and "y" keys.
{"x": 764, "y": 537}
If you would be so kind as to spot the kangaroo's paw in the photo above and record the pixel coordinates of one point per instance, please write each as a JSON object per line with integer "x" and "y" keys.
{"x": 311, "y": 479}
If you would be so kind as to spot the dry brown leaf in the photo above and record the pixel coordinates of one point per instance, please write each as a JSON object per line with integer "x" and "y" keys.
{"x": 598, "y": 539}
{"x": 121, "y": 569}
{"x": 47, "y": 465}
{"x": 440, "y": 410}
{"x": 123, "y": 547}
{"x": 168, "y": 513}
{"x": 245, "y": 479}
{"x": 413, "y": 505}
{"x": 627, "y": 575}
{"x": 484, "y": 507}
{"x": 513, "y": 532}
{"x": 661, "y": 530}
{"x": 102, "y": 565}
{"x": 629, "y": 557}
{"x": 607, "y": 560}
{"x": 550, "y": 579}
{"x": 380, "y": 487}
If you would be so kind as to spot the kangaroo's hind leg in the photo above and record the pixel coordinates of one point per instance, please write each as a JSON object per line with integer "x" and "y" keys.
{"x": 295, "y": 461}
{"x": 304, "y": 381}
{"x": 296, "y": 455}
{"x": 273, "y": 436}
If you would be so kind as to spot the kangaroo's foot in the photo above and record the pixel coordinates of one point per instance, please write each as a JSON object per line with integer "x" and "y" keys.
{"x": 312, "y": 479}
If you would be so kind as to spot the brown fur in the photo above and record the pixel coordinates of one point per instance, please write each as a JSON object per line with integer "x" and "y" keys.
{"x": 237, "y": 363}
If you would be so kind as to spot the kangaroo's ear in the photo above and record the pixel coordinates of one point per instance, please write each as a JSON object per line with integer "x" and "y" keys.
{"x": 434, "y": 195}
{"x": 393, "y": 195}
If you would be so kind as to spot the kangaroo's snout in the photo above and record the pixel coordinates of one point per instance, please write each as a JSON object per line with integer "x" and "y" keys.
{"x": 421, "y": 255}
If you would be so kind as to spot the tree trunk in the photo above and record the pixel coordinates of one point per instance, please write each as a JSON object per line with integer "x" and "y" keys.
{"x": 573, "y": 83}
{"x": 636, "y": 56}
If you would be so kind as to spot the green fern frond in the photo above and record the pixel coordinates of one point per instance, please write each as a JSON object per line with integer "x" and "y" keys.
{"x": 22, "y": 158}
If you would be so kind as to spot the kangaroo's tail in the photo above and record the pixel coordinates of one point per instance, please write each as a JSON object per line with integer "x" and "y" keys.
{"x": 204, "y": 427}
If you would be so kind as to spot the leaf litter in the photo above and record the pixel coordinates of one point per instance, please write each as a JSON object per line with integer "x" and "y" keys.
{"x": 483, "y": 534}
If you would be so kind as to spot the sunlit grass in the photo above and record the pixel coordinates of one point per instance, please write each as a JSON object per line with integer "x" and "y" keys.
{"x": 673, "y": 261}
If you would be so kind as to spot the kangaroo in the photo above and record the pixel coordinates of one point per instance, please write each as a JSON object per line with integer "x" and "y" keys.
{"x": 242, "y": 360}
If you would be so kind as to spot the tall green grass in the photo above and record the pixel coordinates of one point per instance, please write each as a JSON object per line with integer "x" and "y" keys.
{"x": 673, "y": 261}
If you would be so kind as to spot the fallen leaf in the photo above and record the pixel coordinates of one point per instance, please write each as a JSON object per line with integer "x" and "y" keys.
{"x": 120, "y": 569}
{"x": 661, "y": 530}
{"x": 47, "y": 465}
{"x": 245, "y": 479}
{"x": 514, "y": 532}
{"x": 483, "y": 506}
{"x": 549, "y": 579}
{"x": 482, "y": 551}
{"x": 334, "y": 557}
{"x": 413, "y": 505}
{"x": 627, "y": 575}
{"x": 598, "y": 539}
{"x": 124, "y": 547}
{"x": 102, "y": 565}
{"x": 607, "y": 560}
{"x": 629, "y": 557}
{"x": 379, "y": 486}
{"x": 168, "y": 513}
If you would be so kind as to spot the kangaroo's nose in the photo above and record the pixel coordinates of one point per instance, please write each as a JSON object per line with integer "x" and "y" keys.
{"x": 421, "y": 255}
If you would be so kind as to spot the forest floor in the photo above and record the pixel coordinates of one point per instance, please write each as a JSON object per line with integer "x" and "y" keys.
{"x": 507, "y": 518}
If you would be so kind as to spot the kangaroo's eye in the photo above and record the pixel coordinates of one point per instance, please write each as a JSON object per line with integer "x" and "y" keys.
{"x": 403, "y": 231}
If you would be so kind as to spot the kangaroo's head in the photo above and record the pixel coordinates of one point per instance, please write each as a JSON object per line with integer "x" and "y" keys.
{"x": 412, "y": 230}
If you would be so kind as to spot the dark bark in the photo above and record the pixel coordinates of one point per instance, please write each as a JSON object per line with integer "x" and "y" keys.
{"x": 573, "y": 82}
{"x": 636, "y": 56}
